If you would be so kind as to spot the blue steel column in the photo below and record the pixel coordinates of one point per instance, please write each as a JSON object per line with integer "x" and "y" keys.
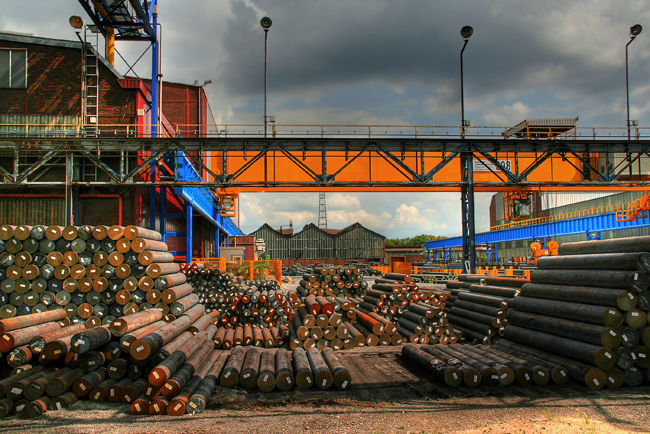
{"x": 188, "y": 233}
{"x": 216, "y": 243}
{"x": 154, "y": 76}
{"x": 152, "y": 208}
{"x": 163, "y": 212}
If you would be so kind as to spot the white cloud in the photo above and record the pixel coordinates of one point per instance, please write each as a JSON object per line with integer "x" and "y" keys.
{"x": 506, "y": 115}
{"x": 377, "y": 220}
{"x": 342, "y": 201}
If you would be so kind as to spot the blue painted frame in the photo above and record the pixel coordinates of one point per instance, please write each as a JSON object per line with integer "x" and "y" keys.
{"x": 582, "y": 225}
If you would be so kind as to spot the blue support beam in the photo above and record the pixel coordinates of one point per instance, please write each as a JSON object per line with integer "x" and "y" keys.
{"x": 163, "y": 213}
{"x": 188, "y": 233}
{"x": 216, "y": 243}
{"x": 582, "y": 225}
{"x": 200, "y": 197}
{"x": 154, "y": 76}
{"x": 591, "y": 235}
{"x": 197, "y": 199}
{"x": 492, "y": 252}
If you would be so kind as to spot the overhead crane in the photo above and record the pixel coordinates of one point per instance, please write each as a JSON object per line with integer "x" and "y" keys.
{"x": 372, "y": 162}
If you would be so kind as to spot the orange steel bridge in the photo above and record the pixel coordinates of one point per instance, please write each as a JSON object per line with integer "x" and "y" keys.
{"x": 334, "y": 158}
{"x": 222, "y": 161}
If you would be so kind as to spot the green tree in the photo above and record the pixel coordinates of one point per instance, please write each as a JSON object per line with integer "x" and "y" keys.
{"x": 418, "y": 240}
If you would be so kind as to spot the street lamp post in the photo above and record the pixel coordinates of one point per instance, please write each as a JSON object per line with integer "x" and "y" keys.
{"x": 266, "y": 25}
{"x": 635, "y": 30}
{"x": 465, "y": 32}
{"x": 467, "y": 177}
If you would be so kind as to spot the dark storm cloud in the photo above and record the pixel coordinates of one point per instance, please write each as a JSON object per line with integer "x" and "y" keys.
{"x": 342, "y": 43}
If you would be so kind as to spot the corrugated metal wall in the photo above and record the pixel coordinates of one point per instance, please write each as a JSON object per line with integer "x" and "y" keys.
{"x": 617, "y": 161}
{"x": 41, "y": 211}
{"x": 277, "y": 245}
{"x": 559, "y": 199}
{"x": 311, "y": 243}
{"x": 359, "y": 243}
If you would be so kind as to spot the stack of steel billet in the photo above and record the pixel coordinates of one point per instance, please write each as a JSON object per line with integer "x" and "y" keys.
{"x": 23, "y": 338}
{"x": 591, "y": 308}
{"x": 267, "y": 369}
{"x": 495, "y": 365}
{"x": 238, "y": 302}
{"x": 111, "y": 362}
{"x": 95, "y": 273}
{"x": 332, "y": 281}
{"x": 321, "y": 322}
{"x": 395, "y": 310}
{"x": 461, "y": 285}
{"x": 479, "y": 307}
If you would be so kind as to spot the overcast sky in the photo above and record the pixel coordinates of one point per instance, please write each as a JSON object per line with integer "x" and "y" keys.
{"x": 389, "y": 62}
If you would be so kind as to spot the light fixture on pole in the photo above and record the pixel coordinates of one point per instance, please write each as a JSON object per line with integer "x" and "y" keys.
{"x": 266, "y": 25}
{"x": 635, "y": 30}
{"x": 467, "y": 177}
{"x": 465, "y": 32}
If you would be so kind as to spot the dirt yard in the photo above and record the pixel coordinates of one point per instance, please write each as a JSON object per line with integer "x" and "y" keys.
{"x": 389, "y": 395}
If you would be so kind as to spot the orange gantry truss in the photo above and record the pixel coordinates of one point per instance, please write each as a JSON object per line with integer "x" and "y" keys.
{"x": 395, "y": 163}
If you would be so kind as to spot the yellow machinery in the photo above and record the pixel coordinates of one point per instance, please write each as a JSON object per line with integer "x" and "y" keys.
{"x": 537, "y": 250}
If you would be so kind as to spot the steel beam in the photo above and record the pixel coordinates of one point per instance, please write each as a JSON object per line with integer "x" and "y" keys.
{"x": 405, "y": 156}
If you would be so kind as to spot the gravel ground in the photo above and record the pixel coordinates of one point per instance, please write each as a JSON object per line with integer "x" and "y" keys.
{"x": 388, "y": 395}
{"x": 603, "y": 413}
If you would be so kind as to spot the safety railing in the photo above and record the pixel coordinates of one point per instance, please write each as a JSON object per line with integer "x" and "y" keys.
{"x": 614, "y": 208}
{"x": 314, "y": 131}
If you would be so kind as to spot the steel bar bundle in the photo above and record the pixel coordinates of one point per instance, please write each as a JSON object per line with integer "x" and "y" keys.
{"x": 94, "y": 273}
{"x": 332, "y": 281}
{"x": 478, "y": 306}
{"x": 589, "y": 305}
{"x": 94, "y": 364}
{"x": 236, "y": 302}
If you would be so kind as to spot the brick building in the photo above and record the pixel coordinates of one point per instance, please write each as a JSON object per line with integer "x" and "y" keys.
{"x": 41, "y": 83}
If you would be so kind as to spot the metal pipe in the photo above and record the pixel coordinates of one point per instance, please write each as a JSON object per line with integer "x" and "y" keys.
{"x": 599, "y": 315}
{"x": 630, "y": 280}
{"x": 598, "y": 335}
{"x": 619, "y": 298}
{"x": 598, "y": 356}
{"x": 580, "y": 372}
{"x": 614, "y": 245}
{"x": 637, "y": 261}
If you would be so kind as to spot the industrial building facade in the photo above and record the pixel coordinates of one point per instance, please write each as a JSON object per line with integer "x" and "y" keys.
{"x": 557, "y": 204}
{"x": 312, "y": 243}
{"x": 41, "y": 94}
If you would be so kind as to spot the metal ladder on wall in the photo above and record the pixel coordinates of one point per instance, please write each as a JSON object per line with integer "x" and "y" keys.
{"x": 90, "y": 91}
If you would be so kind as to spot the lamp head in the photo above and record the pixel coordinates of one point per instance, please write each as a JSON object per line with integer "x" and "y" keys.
{"x": 76, "y": 22}
{"x": 635, "y": 30}
{"x": 266, "y": 23}
{"x": 466, "y": 32}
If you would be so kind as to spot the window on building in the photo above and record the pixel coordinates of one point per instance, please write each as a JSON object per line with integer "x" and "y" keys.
{"x": 13, "y": 68}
